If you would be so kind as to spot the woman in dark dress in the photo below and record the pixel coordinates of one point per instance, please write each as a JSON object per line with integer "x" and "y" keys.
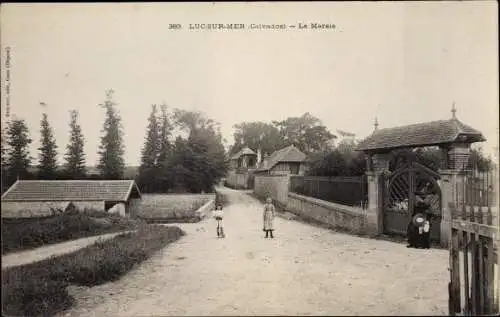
{"x": 418, "y": 230}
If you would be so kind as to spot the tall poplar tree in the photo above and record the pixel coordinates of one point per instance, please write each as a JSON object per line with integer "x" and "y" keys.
{"x": 18, "y": 156}
{"x": 111, "y": 163}
{"x": 74, "y": 166}
{"x": 150, "y": 150}
{"x": 47, "y": 157}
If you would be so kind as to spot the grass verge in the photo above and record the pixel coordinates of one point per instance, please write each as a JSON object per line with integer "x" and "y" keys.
{"x": 29, "y": 233}
{"x": 173, "y": 209}
{"x": 39, "y": 289}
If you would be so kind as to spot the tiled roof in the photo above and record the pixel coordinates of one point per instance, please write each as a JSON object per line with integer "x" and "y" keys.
{"x": 421, "y": 134}
{"x": 70, "y": 190}
{"x": 288, "y": 154}
{"x": 244, "y": 151}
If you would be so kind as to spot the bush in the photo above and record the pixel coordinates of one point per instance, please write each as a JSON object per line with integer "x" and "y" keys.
{"x": 40, "y": 288}
{"x": 31, "y": 233}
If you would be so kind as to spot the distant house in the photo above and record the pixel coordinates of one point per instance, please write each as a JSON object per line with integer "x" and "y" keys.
{"x": 289, "y": 160}
{"x": 245, "y": 158}
{"x": 32, "y": 198}
{"x": 241, "y": 166}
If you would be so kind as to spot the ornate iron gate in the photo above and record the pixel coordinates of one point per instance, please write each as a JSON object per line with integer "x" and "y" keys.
{"x": 400, "y": 198}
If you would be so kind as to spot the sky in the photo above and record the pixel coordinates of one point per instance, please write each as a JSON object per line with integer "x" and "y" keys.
{"x": 401, "y": 62}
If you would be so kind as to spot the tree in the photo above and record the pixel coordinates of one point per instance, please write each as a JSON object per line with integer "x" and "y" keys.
{"x": 18, "y": 157}
{"x": 256, "y": 135}
{"x": 148, "y": 171}
{"x": 306, "y": 132}
{"x": 111, "y": 163}
{"x": 166, "y": 127}
{"x": 75, "y": 155}
{"x": 3, "y": 158}
{"x": 479, "y": 161}
{"x": 200, "y": 158}
{"x": 47, "y": 167}
{"x": 332, "y": 164}
{"x": 150, "y": 150}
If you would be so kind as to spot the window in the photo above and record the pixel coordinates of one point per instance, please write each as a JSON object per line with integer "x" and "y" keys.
{"x": 294, "y": 168}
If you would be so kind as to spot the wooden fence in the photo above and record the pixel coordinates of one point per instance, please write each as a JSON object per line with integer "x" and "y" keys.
{"x": 473, "y": 287}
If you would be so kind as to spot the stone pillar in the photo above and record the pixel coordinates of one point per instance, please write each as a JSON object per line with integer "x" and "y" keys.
{"x": 452, "y": 185}
{"x": 376, "y": 183}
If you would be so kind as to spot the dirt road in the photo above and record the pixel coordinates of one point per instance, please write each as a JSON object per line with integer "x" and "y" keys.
{"x": 304, "y": 271}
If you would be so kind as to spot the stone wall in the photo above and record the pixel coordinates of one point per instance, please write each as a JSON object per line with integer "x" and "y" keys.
{"x": 23, "y": 209}
{"x": 340, "y": 216}
{"x": 205, "y": 210}
{"x": 275, "y": 186}
{"x": 237, "y": 181}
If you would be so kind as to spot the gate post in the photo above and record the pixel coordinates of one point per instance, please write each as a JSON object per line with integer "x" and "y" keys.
{"x": 452, "y": 183}
{"x": 376, "y": 183}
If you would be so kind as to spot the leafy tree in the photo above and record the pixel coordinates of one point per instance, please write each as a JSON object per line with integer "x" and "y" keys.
{"x": 3, "y": 158}
{"x": 18, "y": 158}
{"x": 332, "y": 164}
{"x": 47, "y": 167}
{"x": 200, "y": 158}
{"x": 111, "y": 163}
{"x": 74, "y": 166}
{"x": 478, "y": 160}
{"x": 306, "y": 132}
{"x": 256, "y": 135}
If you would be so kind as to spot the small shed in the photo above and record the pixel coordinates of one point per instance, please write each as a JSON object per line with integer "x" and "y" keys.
{"x": 289, "y": 160}
{"x": 34, "y": 198}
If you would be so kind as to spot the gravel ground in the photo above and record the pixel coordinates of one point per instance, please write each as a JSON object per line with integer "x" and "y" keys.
{"x": 305, "y": 270}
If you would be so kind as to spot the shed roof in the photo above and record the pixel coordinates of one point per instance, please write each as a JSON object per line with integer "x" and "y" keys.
{"x": 71, "y": 190}
{"x": 420, "y": 134}
{"x": 244, "y": 151}
{"x": 288, "y": 154}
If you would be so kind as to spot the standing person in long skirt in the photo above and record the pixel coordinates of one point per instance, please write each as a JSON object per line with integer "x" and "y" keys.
{"x": 269, "y": 215}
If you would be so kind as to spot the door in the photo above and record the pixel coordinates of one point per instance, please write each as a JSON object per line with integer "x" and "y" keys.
{"x": 400, "y": 199}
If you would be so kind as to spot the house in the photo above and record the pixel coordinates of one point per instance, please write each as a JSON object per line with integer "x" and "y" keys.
{"x": 241, "y": 166}
{"x": 287, "y": 161}
{"x": 34, "y": 198}
{"x": 246, "y": 158}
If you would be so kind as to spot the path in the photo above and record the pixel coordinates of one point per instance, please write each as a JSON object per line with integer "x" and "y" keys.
{"x": 304, "y": 271}
{"x": 41, "y": 253}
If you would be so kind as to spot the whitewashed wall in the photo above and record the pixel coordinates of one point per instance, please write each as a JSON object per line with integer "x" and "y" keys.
{"x": 22, "y": 209}
{"x": 275, "y": 186}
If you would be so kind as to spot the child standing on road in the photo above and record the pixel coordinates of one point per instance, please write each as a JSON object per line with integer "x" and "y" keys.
{"x": 269, "y": 215}
{"x": 218, "y": 215}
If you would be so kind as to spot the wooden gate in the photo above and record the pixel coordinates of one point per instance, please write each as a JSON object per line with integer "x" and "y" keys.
{"x": 474, "y": 249}
{"x": 400, "y": 198}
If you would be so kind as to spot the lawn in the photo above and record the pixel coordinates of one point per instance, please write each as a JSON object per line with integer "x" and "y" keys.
{"x": 168, "y": 208}
{"x": 24, "y": 234}
{"x": 39, "y": 289}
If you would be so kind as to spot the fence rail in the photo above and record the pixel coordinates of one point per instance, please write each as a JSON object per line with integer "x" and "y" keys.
{"x": 351, "y": 191}
{"x": 473, "y": 250}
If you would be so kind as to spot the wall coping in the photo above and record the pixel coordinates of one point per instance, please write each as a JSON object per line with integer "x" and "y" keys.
{"x": 206, "y": 208}
{"x": 355, "y": 211}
